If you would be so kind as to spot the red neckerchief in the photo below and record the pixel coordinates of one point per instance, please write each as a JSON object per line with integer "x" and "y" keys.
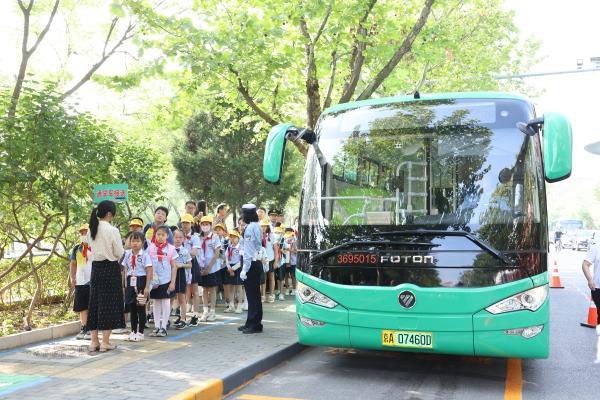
{"x": 159, "y": 251}
{"x": 230, "y": 251}
{"x": 208, "y": 237}
{"x": 84, "y": 250}
{"x": 133, "y": 262}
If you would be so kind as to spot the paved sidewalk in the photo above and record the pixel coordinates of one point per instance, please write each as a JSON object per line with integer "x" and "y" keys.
{"x": 154, "y": 369}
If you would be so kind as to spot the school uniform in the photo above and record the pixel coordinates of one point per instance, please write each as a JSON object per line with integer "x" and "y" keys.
{"x": 183, "y": 257}
{"x": 267, "y": 243}
{"x": 161, "y": 268}
{"x": 192, "y": 241}
{"x": 210, "y": 245}
{"x": 224, "y": 273}
{"x": 234, "y": 261}
{"x": 150, "y": 234}
{"x": 292, "y": 254}
{"x": 135, "y": 274}
{"x": 82, "y": 255}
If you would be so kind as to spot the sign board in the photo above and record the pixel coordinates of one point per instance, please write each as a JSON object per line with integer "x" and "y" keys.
{"x": 116, "y": 192}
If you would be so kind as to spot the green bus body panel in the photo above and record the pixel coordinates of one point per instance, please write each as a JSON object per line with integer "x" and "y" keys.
{"x": 274, "y": 153}
{"x": 456, "y": 316}
{"x": 431, "y": 96}
{"x": 557, "y": 142}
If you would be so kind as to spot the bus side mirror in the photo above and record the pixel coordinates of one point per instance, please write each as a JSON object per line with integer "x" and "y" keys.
{"x": 557, "y": 147}
{"x": 274, "y": 153}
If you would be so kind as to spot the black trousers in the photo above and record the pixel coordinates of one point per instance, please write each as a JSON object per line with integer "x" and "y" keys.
{"x": 138, "y": 316}
{"x": 596, "y": 299}
{"x": 252, "y": 286}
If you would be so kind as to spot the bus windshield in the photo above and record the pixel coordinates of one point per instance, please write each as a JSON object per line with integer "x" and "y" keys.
{"x": 440, "y": 165}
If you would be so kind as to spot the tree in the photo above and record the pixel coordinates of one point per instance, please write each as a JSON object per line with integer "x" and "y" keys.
{"x": 219, "y": 160}
{"x": 280, "y": 59}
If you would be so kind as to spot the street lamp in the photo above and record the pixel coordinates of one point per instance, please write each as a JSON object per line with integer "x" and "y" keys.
{"x": 593, "y": 148}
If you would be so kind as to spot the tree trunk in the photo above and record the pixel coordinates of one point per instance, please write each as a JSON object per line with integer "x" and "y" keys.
{"x": 27, "y": 321}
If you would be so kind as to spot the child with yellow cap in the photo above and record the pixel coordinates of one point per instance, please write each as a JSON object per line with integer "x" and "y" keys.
{"x": 211, "y": 248}
{"x": 79, "y": 278}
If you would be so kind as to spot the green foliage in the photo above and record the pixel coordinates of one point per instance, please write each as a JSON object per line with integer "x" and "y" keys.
{"x": 461, "y": 47}
{"x": 219, "y": 160}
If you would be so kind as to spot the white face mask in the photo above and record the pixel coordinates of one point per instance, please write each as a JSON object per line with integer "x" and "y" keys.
{"x": 83, "y": 238}
{"x": 205, "y": 228}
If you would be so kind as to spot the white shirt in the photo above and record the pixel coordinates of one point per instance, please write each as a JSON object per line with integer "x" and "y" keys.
{"x": 108, "y": 244}
{"x": 593, "y": 257}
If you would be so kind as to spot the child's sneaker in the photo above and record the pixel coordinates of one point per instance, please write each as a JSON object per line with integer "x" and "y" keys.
{"x": 203, "y": 317}
{"x": 211, "y": 317}
{"x": 132, "y": 337}
{"x": 168, "y": 324}
{"x": 281, "y": 296}
{"x": 229, "y": 309}
{"x": 194, "y": 321}
{"x": 271, "y": 298}
{"x": 238, "y": 309}
{"x": 140, "y": 337}
{"x": 262, "y": 299}
{"x": 293, "y": 293}
{"x": 162, "y": 332}
{"x": 180, "y": 325}
{"x": 81, "y": 334}
{"x": 150, "y": 317}
{"x": 155, "y": 332}
{"x": 87, "y": 335}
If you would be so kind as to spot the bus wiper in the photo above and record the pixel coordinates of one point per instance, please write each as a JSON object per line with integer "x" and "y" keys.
{"x": 351, "y": 243}
{"x": 434, "y": 232}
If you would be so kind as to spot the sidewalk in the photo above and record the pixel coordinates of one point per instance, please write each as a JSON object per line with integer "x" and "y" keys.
{"x": 156, "y": 368}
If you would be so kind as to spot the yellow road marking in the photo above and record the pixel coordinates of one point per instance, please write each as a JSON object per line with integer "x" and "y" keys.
{"x": 514, "y": 380}
{"x": 256, "y": 397}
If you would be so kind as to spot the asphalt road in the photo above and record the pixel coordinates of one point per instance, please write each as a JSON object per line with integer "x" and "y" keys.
{"x": 569, "y": 372}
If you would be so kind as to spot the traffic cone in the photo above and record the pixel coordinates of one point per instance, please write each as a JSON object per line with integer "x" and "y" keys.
{"x": 592, "y": 319}
{"x": 555, "y": 281}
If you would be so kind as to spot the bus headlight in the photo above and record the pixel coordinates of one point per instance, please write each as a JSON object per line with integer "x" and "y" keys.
{"x": 531, "y": 299}
{"x": 306, "y": 294}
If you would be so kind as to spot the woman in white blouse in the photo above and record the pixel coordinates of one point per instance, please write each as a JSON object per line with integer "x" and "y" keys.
{"x": 106, "y": 293}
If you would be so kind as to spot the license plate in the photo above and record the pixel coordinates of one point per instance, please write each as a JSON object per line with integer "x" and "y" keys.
{"x": 410, "y": 339}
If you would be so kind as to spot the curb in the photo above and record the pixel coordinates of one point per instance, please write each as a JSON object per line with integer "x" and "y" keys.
{"x": 213, "y": 389}
{"x": 38, "y": 335}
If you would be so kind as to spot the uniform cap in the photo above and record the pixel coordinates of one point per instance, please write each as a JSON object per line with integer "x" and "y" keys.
{"x": 206, "y": 219}
{"x": 249, "y": 206}
{"x": 84, "y": 227}
{"x": 136, "y": 222}
{"x": 220, "y": 226}
{"x": 187, "y": 218}
{"x": 234, "y": 233}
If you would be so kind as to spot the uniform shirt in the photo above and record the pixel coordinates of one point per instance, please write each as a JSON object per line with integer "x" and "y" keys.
{"x": 210, "y": 245}
{"x": 162, "y": 264}
{"x": 149, "y": 233}
{"x": 108, "y": 244}
{"x": 593, "y": 257}
{"x": 83, "y": 273}
{"x": 192, "y": 241}
{"x": 183, "y": 255}
{"x": 233, "y": 254}
{"x": 268, "y": 245}
{"x": 142, "y": 261}
{"x": 291, "y": 246}
{"x": 252, "y": 243}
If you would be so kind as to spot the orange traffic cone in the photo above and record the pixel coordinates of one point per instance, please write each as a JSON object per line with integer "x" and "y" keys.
{"x": 555, "y": 281}
{"x": 592, "y": 319}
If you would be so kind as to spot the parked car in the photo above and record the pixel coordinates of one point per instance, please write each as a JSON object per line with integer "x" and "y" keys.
{"x": 568, "y": 240}
{"x": 583, "y": 239}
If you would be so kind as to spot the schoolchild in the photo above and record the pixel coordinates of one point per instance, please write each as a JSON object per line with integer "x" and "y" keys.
{"x": 80, "y": 273}
{"x": 138, "y": 271}
{"x": 192, "y": 244}
{"x": 279, "y": 262}
{"x": 220, "y": 230}
{"x": 184, "y": 264}
{"x": 268, "y": 278}
{"x": 160, "y": 218}
{"x": 162, "y": 255}
{"x": 233, "y": 272}
{"x": 291, "y": 257}
{"x": 211, "y": 265}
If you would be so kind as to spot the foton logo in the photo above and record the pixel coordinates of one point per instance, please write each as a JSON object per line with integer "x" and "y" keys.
{"x": 388, "y": 259}
{"x": 407, "y": 299}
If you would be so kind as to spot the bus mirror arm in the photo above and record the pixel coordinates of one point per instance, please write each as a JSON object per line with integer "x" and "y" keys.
{"x": 306, "y": 134}
{"x": 531, "y": 128}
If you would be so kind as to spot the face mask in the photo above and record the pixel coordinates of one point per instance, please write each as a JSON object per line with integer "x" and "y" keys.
{"x": 205, "y": 228}
{"x": 277, "y": 237}
{"x": 83, "y": 238}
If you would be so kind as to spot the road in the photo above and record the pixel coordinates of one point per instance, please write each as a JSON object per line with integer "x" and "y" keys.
{"x": 569, "y": 372}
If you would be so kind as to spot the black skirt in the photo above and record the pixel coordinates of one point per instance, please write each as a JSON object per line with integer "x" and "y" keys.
{"x": 230, "y": 280}
{"x": 106, "y": 297}
{"x": 211, "y": 280}
{"x": 196, "y": 271}
{"x": 180, "y": 281}
{"x": 161, "y": 292}
{"x": 130, "y": 293}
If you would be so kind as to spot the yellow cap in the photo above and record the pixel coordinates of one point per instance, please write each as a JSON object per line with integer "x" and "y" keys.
{"x": 84, "y": 227}
{"x": 234, "y": 233}
{"x": 220, "y": 226}
{"x": 264, "y": 222}
{"x": 279, "y": 229}
{"x": 207, "y": 219}
{"x": 289, "y": 234}
{"x": 187, "y": 218}
{"x": 136, "y": 222}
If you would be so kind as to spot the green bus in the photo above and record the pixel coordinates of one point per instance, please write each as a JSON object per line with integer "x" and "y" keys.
{"x": 423, "y": 224}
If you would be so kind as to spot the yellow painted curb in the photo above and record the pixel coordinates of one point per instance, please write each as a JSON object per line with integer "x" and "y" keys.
{"x": 211, "y": 389}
